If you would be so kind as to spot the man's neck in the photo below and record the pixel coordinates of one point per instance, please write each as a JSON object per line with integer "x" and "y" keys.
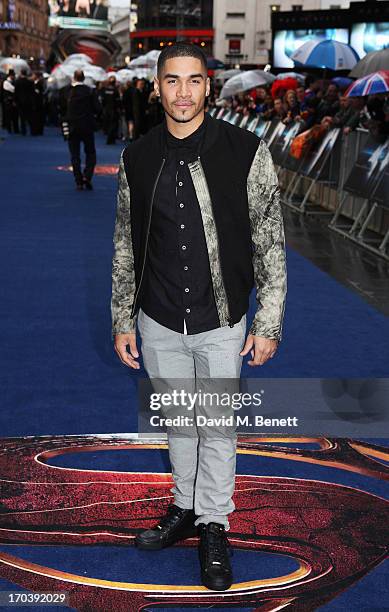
{"x": 182, "y": 130}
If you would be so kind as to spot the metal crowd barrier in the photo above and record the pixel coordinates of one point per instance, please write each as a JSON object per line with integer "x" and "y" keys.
{"x": 337, "y": 177}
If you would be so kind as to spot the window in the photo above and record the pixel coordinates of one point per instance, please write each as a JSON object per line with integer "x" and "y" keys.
{"x": 234, "y": 46}
{"x": 239, "y": 15}
{"x": 297, "y": 7}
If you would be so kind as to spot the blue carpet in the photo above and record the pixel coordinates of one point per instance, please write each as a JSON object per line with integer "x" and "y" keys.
{"x": 59, "y": 373}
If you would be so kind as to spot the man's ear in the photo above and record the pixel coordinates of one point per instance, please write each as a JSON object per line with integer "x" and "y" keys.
{"x": 207, "y": 86}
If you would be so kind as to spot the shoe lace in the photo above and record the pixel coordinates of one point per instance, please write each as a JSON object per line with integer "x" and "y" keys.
{"x": 169, "y": 519}
{"x": 218, "y": 547}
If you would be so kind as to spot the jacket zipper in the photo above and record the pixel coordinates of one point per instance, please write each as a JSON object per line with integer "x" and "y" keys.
{"x": 230, "y": 322}
{"x": 147, "y": 237}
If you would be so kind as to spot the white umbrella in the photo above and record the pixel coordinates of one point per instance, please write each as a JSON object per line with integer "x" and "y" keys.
{"x": 148, "y": 60}
{"x": 227, "y": 74}
{"x": 62, "y": 75}
{"x": 246, "y": 80}
{"x": 125, "y": 75}
{"x": 14, "y": 63}
{"x": 59, "y": 78}
{"x": 294, "y": 75}
{"x": 95, "y": 73}
{"x": 77, "y": 59}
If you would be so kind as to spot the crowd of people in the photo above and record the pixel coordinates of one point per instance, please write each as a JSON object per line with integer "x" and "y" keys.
{"x": 312, "y": 102}
{"x": 123, "y": 111}
{"x": 23, "y": 103}
{"x": 127, "y": 111}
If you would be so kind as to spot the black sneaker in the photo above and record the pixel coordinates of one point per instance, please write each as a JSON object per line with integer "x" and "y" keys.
{"x": 176, "y": 525}
{"x": 214, "y": 553}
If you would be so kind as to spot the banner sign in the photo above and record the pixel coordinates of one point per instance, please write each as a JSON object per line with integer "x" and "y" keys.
{"x": 369, "y": 177}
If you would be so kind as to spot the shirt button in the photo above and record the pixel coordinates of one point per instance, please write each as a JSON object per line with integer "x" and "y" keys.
{"x": 180, "y": 183}
{"x": 186, "y": 289}
{"x": 186, "y": 268}
{"x": 183, "y": 247}
{"x": 187, "y": 310}
{"x": 182, "y": 226}
{"x": 181, "y": 162}
{"x": 182, "y": 205}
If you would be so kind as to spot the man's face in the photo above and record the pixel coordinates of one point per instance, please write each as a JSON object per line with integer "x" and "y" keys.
{"x": 261, "y": 93}
{"x": 183, "y": 86}
{"x": 278, "y": 104}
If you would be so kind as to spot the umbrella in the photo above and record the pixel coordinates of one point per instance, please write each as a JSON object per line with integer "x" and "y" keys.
{"x": 227, "y": 74}
{"x": 14, "y": 63}
{"x": 375, "y": 83}
{"x": 372, "y": 62}
{"x": 77, "y": 59}
{"x": 294, "y": 75}
{"x": 125, "y": 75}
{"x": 244, "y": 81}
{"x": 148, "y": 60}
{"x": 322, "y": 53}
{"x": 214, "y": 64}
{"x": 342, "y": 82}
{"x": 96, "y": 73}
{"x": 62, "y": 75}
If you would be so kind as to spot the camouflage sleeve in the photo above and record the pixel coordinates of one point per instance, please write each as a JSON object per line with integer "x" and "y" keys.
{"x": 269, "y": 256}
{"x": 123, "y": 273}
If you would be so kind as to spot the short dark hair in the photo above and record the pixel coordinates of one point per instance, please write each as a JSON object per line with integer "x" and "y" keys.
{"x": 181, "y": 50}
{"x": 79, "y": 76}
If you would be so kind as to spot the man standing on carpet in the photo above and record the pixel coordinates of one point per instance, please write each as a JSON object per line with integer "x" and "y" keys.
{"x": 198, "y": 224}
{"x": 81, "y": 112}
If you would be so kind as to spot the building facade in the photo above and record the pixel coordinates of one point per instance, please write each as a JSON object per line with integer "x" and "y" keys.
{"x": 120, "y": 30}
{"x": 24, "y": 29}
{"x": 243, "y": 33}
{"x": 163, "y": 22}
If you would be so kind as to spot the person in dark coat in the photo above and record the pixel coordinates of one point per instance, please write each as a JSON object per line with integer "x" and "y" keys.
{"x": 37, "y": 106}
{"x": 24, "y": 91}
{"x": 139, "y": 105}
{"x": 127, "y": 107}
{"x": 82, "y": 109}
{"x": 10, "y": 111}
{"x": 111, "y": 110}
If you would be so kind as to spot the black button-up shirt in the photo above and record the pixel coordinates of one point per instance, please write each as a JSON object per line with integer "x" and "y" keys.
{"x": 177, "y": 288}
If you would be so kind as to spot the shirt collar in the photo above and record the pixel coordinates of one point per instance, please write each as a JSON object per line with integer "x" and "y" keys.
{"x": 188, "y": 142}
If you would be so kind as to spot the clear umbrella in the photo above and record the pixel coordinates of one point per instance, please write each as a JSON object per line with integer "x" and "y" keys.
{"x": 125, "y": 75}
{"x": 227, "y": 74}
{"x": 96, "y": 73}
{"x": 148, "y": 60}
{"x": 77, "y": 59}
{"x": 246, "y": 80}
{"x": 372, "y": 62}
{"x": 14, "y": 63}
{"x": 293, "y": 75}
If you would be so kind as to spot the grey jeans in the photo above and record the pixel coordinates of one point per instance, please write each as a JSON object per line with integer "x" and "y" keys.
{"x": 203, "y": 467}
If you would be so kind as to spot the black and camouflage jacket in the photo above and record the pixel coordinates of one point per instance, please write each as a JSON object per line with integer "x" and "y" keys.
{"x": 239, "y": 198}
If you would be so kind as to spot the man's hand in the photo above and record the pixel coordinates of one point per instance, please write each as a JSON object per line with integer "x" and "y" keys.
{"x": 121, "y": 342}
{"x": 261, "y": 349}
